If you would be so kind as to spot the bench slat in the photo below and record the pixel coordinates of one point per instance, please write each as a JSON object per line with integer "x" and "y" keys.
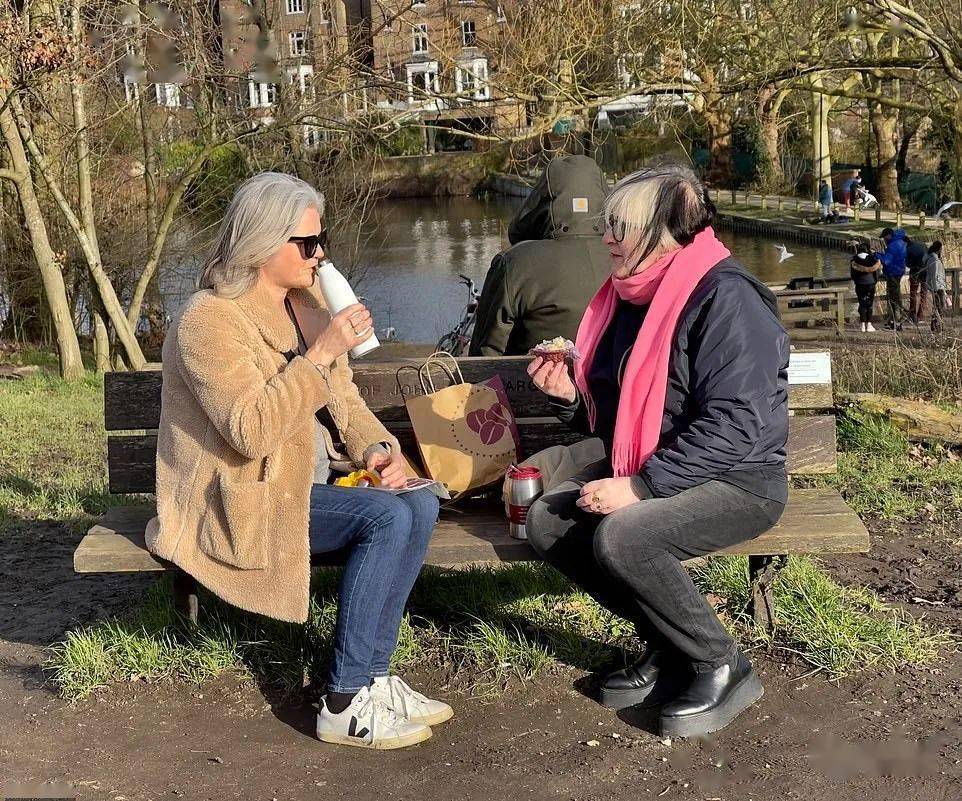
{"x": 815, "y": 521}
{"x": 132, "y": 400}
{"x": 811, "y": 449}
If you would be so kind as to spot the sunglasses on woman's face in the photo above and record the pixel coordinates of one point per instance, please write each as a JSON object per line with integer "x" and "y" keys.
{"x": 308, "y": 245}
{"x": 617, "y": 228}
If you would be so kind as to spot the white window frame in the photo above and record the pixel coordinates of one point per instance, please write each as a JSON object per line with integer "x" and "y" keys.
{"x": 294, "y": 37}
{"x": 419, "y": 36}
{"x": 423, "y": 68}
{"x": 464, "y": 33}
{"x": 167, "y": 95}
{"x": 300, "y": 78}
{"x": 261, "y": 94}
{"x": 295, "y": 6}
{"x": 478, "y": 69}
{"x": 131, "y": 87}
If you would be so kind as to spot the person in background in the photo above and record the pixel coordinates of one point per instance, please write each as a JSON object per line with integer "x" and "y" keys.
{"x": 825, "y": 198}
{"x": 864, "y": 268}
{"x": 915, "y": 256}
{"x": 936, "y": 283}
{"x": 893, "y": 268}
{"x": 848, "y": 188}
{"x": 539, "y": 287}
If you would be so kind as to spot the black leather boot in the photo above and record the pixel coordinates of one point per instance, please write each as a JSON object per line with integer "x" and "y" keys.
{"x": 652, "y": 680}
{"x": 713, "y": 700}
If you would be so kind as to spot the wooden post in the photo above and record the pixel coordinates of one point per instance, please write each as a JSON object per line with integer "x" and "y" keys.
{"x": 945, "y": 225}
{"x": 734, "y": 201}
{"x": 898, "y": 218}
{"x": 781, "y": 204}
{"x": 878, "y": 213}
{"x": 185, "y": 595}
{"x": 922, "y": 220}
{"x": 798, "y": 204}
{"x": 762, "y": 571}
{"x": 856, "y": 214}
{"x": 840, "y": 309}
{"x": 956, "y": 289}
{"x": 764, "y": 201}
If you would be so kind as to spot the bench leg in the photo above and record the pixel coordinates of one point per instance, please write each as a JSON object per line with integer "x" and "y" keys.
{"x": 762, "y": 571}
{"x": 185, "y": 595}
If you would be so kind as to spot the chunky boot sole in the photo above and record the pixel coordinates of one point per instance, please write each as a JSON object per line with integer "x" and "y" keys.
{"x": 621, "y": 699}
{"x": 384, "y": 744}
{"x": 743, "y": 696}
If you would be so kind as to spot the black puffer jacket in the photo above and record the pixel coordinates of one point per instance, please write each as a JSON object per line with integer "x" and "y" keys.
{"x": 726, "y": 408}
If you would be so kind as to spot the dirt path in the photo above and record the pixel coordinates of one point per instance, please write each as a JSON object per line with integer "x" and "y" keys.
{"x": 878, "y": 736}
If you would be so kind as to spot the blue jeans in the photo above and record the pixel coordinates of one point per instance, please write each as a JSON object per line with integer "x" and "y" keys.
{"x": 387, "y": 536}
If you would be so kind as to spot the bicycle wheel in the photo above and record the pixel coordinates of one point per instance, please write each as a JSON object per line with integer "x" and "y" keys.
{"x": 448, "y": 343}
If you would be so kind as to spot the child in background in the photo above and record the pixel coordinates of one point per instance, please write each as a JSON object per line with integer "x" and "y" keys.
{"x": 863, "y": 268}
{"x": 935, "y": 283}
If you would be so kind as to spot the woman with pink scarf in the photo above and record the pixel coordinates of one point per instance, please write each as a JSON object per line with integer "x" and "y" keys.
{"x": 683, "y": 375}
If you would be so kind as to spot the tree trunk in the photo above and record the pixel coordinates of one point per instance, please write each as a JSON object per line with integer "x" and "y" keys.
{"x": 821, "y": 143}
{"x": 905, "y": 142}
{"x": 885, "y": 121}
{"x": 101, "y": 343}
{"x": 769, "y": 105}
{"x": 68, "y": 346}
{"x": 719, "y": 122}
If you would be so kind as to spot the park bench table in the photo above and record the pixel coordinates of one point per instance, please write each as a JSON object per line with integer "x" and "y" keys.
{"x": 815, "y": 520}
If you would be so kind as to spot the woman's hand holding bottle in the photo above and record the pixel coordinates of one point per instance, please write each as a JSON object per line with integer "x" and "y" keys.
{"x": 347, "y": 329}
{"x": 552, "y": 378}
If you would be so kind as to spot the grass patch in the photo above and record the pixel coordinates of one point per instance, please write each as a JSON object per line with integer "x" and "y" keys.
{"x": 931, "y": 374}
{"x": 52, "y": 450}
{"x": 491, "y": 625}
{"x": 837, "y": 629}
{"x": 883, "y": 475}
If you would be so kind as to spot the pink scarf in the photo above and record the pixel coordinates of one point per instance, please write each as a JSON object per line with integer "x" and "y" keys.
{"x": 666, "y": 287}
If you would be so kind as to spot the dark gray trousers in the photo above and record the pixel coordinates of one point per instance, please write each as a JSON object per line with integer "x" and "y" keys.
{"x": 630, "y": 560}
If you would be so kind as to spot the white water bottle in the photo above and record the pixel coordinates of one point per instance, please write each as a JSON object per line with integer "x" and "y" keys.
{"x": 338, "y": 295}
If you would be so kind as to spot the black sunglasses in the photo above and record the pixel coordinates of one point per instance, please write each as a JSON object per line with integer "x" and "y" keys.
{"x": 617, "y": 228}
{"x": 308, "y": 245}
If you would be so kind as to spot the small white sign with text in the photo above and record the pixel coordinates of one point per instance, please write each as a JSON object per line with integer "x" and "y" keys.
{"x": 810, "y": 368}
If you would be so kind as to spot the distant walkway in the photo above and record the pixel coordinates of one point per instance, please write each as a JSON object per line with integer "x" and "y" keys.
{"x": 798, "y": 211}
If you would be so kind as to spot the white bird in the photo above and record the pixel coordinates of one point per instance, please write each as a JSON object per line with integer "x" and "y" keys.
{"x": 784, "y": 253}
{"x": 946, "y": 207}
{"x": 389, "y": 334}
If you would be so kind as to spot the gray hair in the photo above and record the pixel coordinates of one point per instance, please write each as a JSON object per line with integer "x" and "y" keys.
{"x": 663, "y": 206}
{"x": 265, "y": 211}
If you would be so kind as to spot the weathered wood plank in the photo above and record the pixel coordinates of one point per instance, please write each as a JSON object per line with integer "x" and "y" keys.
{"x": 132, "y": 400}
{"x": 815, "y": 521}
{"x": 811, "y": 449}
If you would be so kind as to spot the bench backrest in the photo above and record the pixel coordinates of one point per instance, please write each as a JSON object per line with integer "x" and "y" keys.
{"x": 132, "y": 404}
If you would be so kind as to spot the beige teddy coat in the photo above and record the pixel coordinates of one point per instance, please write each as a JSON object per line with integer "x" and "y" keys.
{"x": 235, "y": 448}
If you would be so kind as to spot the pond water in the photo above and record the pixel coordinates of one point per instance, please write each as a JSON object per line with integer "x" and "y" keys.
{"x": 408, "y": 270}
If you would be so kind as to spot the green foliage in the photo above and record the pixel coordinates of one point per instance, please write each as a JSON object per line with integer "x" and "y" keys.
{"x": 408, "y": 140}
{"x": 211, "y": 191}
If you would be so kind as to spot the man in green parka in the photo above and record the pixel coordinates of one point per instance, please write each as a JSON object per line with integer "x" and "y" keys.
{"x": 540, "y": 287}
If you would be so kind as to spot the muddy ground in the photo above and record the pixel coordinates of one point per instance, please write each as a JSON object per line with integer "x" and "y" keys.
{"x": 877, "y": 736}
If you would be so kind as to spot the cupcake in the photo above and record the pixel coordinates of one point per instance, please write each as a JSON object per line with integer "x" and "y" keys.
{"x": 555, "y": 350}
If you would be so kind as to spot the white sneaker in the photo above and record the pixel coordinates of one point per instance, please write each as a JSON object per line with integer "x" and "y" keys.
{"x": 869, "y": 328}
{"x": 864, "y": 329}
{"x": 395, "y": 694}
{"x": 368, "y": 723}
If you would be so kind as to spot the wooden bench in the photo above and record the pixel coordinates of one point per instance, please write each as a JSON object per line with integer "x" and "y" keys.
{"x": 815, "y": 521}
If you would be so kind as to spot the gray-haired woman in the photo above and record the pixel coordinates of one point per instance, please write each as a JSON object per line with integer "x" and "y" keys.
{"x": 683, "y": 375}
{"x": 256, "y": 382}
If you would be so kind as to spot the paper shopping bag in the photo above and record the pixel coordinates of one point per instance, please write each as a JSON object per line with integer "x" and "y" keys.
{"x": 465, "y": 432}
